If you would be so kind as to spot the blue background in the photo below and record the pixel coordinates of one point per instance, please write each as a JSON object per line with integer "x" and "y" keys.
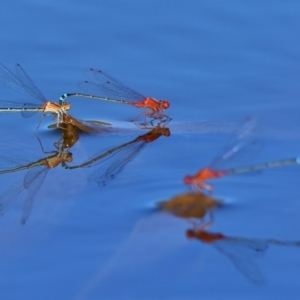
{"x": 216, "y": 62}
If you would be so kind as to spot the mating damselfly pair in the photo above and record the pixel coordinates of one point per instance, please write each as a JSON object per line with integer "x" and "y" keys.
{"x": 112, "y": 90}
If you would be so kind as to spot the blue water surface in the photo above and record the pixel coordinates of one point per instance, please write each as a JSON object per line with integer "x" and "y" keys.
{"x": 217, "y": 63}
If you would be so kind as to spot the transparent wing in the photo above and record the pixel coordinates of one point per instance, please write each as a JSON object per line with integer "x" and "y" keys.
{"x": 5, "y": 105}
{"x": 11, "y": 165}
{"x": 33, "y": 182}
{"x": 11, "y": 80}
{"x": 7, "y": 163}
{"x": 100, "y": 82}
{"x": 21, "y": 82}
{"x": 32, "y": 175}
{"x": 241, "y": 253}
{"x": 27, "y": 114}
{"x": 113, "y": 165}
{"x": 10, "y": 194}
{"x": 12, "y": 104}
{"x": 29, "y": 86}
{"x": 242, "y": 146}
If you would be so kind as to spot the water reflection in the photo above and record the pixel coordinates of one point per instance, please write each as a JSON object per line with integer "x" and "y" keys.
{"x": 71, "y": 124}
{"x": 116, "y": 158}
{"x": 113, "y": 161}
{"x": 239, "y": 250}
{"x": 37, "y": 171}
{"x": 192, "y": 206}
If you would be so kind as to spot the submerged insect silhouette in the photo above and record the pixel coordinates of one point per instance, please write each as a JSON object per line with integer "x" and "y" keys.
{"x": 192, "y": 206}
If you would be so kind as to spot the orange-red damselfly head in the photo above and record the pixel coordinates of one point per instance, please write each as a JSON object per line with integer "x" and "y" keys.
{"x": 164, "y": 104}
{"x": 188, "y": 179}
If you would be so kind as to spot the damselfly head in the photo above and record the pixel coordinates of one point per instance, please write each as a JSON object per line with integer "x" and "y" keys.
{"x": 68, "y": 157}
{"x": 164, "y": 104}
{"x": 165, "y": 131}
{"x": 65, "y": 105}
{"x": 187, "y": 179}
{"x": 190, "y": 233}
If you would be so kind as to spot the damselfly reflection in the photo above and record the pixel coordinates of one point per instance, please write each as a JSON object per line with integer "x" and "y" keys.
{"x": 114, "y": 160}
{"x": 240, "y": 251}
{"x": 22, "y": 83}
{"x": 243, "y": 141}
{"x": 69, "y": 129}
{"x": 69, "y": 136}
{"x": 69, "y": 122}
{"x": 37, "y": 171}
{"x": 110, "y": 89}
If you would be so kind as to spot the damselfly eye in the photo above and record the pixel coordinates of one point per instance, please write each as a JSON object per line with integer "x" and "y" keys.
{"x": 164, "y": 104}
{"x": 67, "y": 106}
{"x": 190, "y": 234}
{"x": 167, "y": 132}
{"x": 187, "y": 179}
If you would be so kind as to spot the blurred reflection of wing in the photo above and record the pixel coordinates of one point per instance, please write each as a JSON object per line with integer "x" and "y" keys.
{"x": 10, "y": 194}
{"x": 241, "y": 253}
{"x": 112, "y": 165}
{"x": 33, "y": 181}
{"x": 7, "y": 165}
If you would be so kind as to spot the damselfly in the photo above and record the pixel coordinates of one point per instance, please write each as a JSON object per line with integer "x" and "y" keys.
{"x": 110, "y": 89}
{"x": 243, "y": 140}
{"x": 118, "y": 157}
{"x": 22, "y": 83}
